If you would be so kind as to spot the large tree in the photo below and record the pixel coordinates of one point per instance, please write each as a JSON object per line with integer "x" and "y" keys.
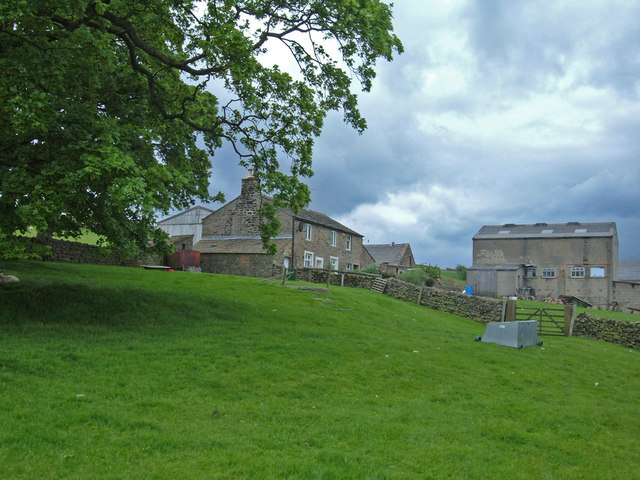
{"x": 110, "y": 110}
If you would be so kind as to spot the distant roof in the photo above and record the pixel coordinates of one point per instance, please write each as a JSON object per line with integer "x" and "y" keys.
{"x": 547, "y": 230}
{"x": 387, "y": 253}
{"x": 191, "y": 215}
{"x": 629, "y": 270}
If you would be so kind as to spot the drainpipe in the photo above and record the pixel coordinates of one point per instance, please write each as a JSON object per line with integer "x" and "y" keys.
{"x": 293, "y": 242}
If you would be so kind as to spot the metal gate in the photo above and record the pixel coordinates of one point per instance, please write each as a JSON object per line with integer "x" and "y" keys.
{"x": 551, "y": 320}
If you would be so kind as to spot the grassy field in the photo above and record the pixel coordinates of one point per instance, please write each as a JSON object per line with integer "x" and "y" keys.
{"x": 119, "y": 373}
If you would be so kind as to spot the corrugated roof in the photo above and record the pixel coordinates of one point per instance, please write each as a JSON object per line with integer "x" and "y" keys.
{"x": 387, "y": 253}
{"x": 629, "y": 270}
{"x": 547, "y": 230}
{"x": 192, "y": 215}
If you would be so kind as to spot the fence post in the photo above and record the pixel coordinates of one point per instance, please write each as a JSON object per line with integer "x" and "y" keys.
{"x": 569, "y": 319}
{"x": 510, "y": 311}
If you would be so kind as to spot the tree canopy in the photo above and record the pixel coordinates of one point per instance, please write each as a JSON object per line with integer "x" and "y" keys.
{"x": 110, "y": 110}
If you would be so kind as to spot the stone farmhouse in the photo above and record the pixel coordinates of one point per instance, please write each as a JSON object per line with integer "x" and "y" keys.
{"x": 230, "y": 241}
{"x": 549, "y": 260}
{"x": 392, "y": 258}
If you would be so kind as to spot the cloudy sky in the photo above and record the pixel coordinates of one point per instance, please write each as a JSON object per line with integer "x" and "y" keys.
{"x": 497, "y": 112}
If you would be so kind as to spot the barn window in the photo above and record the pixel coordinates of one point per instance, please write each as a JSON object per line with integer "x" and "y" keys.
{"x": 597, "y": 272}
{"x": 549, "y": 272}
{"x": 530, "y": 272}
{"x": 577, "y": 272}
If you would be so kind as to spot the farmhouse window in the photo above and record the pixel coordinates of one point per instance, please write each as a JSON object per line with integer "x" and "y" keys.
{"x": 333, "y": 263}
{"x": 577, "y": 272}
{"x": 530, "y": 272}
{"x": 334, "y": 236}
{"x": 348, "y": 240}
{"x": 319, "y": 262}
{"x": 597, "y": 272}
{"x": 308, "y": 232}
{"x": 308, "y": 259}
{"x": 349, "y": 267}
{"x": 549, "y": 272}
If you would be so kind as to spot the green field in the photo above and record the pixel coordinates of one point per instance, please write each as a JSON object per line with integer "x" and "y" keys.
{"x": 120, "y": 373}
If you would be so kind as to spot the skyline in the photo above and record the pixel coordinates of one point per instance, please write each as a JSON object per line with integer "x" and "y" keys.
{"x": 497, "y": 112}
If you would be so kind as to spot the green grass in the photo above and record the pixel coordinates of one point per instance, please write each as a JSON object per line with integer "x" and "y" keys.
{"x": 87, "y": 237}
{"x": 118, "y": 373}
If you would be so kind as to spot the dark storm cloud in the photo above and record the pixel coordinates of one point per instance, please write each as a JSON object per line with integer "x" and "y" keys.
{"x": 497, "y": 112}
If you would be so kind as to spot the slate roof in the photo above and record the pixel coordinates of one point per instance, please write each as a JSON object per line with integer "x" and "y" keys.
{"x": 317, "y": 218}
{"x": 629, "y": 270}
{"x": 387, "y": 253}
{"x": 547, "y": 230}
{"x": 244, "y": 245}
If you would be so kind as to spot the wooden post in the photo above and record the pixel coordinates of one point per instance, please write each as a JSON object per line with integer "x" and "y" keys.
{"x": 569, "y": 319}
{"x": 328, "y": 278}
{"x": 420, "y": 295}
{"x": 284, "y": 275}
{"x": 510, "y": 312}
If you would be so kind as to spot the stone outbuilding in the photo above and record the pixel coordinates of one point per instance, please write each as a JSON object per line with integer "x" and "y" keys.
{"x": 231, "y": 240}
{"x": 392, "y": 258}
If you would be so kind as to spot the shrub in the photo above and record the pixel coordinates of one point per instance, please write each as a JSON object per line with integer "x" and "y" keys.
{"x": 371, "y": 268}
{"x": 461, "y": 272}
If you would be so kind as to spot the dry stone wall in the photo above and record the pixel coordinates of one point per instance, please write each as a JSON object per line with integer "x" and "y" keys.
{"x": 480, "y": 309}
{"x": 610, "y": 330}
{"x": 75, "y": 252}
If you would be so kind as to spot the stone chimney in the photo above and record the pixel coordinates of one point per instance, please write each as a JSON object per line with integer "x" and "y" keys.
{"x": 249, "y": 187}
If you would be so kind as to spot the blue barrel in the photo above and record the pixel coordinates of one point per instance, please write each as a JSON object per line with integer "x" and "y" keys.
{"x": 469, "y": 290}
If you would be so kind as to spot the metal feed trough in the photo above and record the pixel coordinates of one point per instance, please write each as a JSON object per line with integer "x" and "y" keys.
{"x": 512, "y": 334}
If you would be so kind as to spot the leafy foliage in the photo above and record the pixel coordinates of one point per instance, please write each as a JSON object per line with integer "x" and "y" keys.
{"x": 110, "y": 110}
{"x": 371, "y": 268}
{"x": 421, "y": 275}
{"x": 461, "y": 270}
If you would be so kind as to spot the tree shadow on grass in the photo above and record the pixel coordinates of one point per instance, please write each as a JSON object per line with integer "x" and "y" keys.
{"x": 122, "y": 307}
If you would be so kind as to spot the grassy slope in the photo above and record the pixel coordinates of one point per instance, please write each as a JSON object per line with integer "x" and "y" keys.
{"x": 110, "y": 372}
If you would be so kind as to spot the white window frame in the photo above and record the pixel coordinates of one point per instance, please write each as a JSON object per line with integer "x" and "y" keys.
{"x": 549, "y": 272}
{"x": 308, "y": 231}
{"x": 334, "y": 238}
{"x": 333, "y": 263}
{"x": 319, "y": 262}
{"x": 349, "y": 267}
{"x": 597, "y": 272}
{"x": 578, "y": 272}
{"x": 308, "y": 259}
{"x": 348, "y": 242}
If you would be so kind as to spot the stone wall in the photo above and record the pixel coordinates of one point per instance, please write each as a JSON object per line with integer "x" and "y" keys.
{"x": 75, "y": 252}
{"x": 627, "y": 296}
{"x": 480, "y": 309}
{"x": 346, "y": 279}
{"x": 250, "y": 264}
{"x": 610, "y": 330}
{"x": 476, "y": 308}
